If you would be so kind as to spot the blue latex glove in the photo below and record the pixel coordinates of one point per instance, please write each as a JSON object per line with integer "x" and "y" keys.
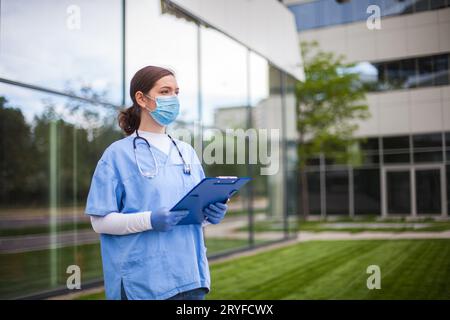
{"x": 164, "y": 220}
{"x": 215, "y": 212}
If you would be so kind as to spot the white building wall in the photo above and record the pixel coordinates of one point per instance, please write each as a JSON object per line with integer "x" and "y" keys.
{"x": 402, "y": 36}
{"x": 398, "y": 111}
{"x": 419, "y": 110}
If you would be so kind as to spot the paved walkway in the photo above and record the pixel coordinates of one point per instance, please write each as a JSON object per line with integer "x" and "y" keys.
{"x": 226, "y": 230}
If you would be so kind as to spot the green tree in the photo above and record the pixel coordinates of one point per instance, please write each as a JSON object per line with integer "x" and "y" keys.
{"x": 329, "y": 103}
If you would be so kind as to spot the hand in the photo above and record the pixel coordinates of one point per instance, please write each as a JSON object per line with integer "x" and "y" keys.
{"x": 164, "y": 220}
{"x": 215, "y": 212}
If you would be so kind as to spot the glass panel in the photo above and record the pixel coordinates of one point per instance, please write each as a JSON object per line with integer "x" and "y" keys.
{"x": 441, "y": 69}
{"x": 422, "y": 5}
{"x": 337, "y": 195}
{"x": 367, "y": 191}
{"x": 426, "y": 74}
{"x": 428, "y": 191}
{"x": 225, "y": 106}
{"x": 292, "y": 190}
{"x": 438, "y": 4}
{"x": 427, "y": 140}
{"x": 397, "y": 158}
{"x": 398, "y": 192}
{"x": 156, "y": 36}
{"x": 71, "y": 46}
{"x": 448, "y": 188}
{"x": 409, "y": 73}
{"x": 43, "y": 195}
{"x": 393, "y": 73}
{"x": 430, "y": 156}
{"x": 396, "y": 149}
{"x": 305, "y": 15}
{"x": 224, "y": 84}
{"x": 398, "y": 142}
{"x": 314, "y": 192}
{"x": 428, "y": 147}
{"x": 370, "y": 144}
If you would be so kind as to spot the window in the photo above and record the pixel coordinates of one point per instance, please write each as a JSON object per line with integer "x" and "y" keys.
{"x": 427, "y": 147}
{"x": 395, "y": 143}
{"x": 396, "y": 149}
{"x": 447, "y": 146}
{"x": 314, "y": 192}
{"x": 337, "y": 192}
{"x": 426, "y": 74}
{"x": 441, "y": 67}
{"x": 366, "y": 187}
{"x": 407, "y": 73}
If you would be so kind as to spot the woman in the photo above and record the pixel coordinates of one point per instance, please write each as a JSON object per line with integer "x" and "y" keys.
{"x": 145, "y": 254}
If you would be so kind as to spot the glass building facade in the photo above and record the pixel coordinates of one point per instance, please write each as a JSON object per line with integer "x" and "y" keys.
{"x": 65, "y": 67}
{"x": 402, "y": 175}
{"x": 325, "y": 13}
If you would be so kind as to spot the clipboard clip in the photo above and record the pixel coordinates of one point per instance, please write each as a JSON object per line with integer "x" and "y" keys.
{"x": 226, "y": 177}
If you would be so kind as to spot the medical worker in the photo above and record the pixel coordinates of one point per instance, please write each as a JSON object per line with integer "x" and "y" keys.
{"x": 145, "y": 254}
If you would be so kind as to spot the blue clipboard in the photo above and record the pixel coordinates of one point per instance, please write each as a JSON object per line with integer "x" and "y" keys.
{"x": 207, "y": 191}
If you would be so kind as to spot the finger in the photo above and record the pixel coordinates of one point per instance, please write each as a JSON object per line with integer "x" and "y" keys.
{"x": 210, "y": 212}
{"x": 213, "y": 207}
{"x": 221, "y": 205}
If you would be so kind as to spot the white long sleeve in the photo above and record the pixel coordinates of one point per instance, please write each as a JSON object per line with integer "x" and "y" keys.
{"x": 122, "y": 224}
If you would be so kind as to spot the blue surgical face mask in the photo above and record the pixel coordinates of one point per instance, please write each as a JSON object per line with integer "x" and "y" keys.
{"x": 167, "y": 109}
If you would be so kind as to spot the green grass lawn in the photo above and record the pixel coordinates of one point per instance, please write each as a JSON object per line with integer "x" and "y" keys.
{"x": 410, "y": 269}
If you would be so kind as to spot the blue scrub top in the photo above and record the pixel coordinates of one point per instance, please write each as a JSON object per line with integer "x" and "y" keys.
{"x": 150, "y": 264}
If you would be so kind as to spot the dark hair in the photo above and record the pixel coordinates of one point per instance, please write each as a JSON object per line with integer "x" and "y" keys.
{"x": 143, "y": 80}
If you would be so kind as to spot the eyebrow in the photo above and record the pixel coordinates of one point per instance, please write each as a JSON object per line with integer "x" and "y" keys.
{"x": 169, "y": 87}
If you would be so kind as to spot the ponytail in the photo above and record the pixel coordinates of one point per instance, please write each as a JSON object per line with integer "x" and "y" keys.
{"x": 130, "y": 119}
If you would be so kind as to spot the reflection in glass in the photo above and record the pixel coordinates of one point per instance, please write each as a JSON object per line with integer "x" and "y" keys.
{"x": 83, "y": 51}
{"x": 157, "y": 36}
{"x": 442, "y": 69}
{"x": 224, "y": 84}
{"x": 53, "y": 146}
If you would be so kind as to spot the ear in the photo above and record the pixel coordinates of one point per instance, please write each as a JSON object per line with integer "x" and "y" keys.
{"x": 140, "y": 99}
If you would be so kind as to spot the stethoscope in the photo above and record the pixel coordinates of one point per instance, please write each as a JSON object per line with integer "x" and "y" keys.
{"x": 150, "y": 175}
